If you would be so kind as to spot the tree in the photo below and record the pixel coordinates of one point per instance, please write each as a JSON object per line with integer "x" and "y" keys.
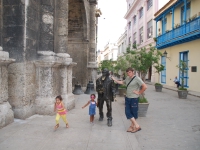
{"x": 182, "y": 68}
{"x": 109, "y": 64}
{"x": 159, "y": 67}
{"x": 142, "y": 59}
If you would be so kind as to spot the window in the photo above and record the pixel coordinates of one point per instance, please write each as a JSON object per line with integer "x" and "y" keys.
{"x": 187, "y": 13}
{"x": 149, "y": 29}
{"x": 134, "y": 38}
{"x": 184, "y": 75}
{"x": 129, "y": 25}
{"x": 134, "y": 20}
{"x": 129, "y": 40}
{"x": 141, "y": 12}
{"x": 149, "y": 4}
{"x": 141, "y": 35}
{"x": 163, "y": 73}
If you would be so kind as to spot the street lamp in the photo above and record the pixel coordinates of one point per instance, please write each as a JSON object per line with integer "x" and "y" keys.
{"x": 165, "y": 55}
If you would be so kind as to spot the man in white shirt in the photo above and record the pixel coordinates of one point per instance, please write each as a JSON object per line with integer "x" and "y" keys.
{"x": 176, "y": 81}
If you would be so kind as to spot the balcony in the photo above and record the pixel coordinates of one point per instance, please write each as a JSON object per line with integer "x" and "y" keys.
{"x": 185, "y": 33}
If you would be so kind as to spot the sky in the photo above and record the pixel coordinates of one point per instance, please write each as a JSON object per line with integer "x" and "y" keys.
{"x": 111, "y": 24}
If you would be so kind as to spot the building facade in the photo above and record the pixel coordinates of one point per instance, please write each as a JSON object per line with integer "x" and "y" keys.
{"x": 110, "y": 51}
{"x": 100, "y": 57}
{"x": 122, "y": 44}
{"x": 141, "y": 26}
{"x": 178, "y": 36}
{"x": 41, "y": 42}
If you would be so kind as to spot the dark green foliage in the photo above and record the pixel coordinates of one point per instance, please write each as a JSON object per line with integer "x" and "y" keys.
{"x": 158, "y": 84}
{"x": 122, "y": 86}
{"x": 109, "y": 64}
{"x": 182, "y": 88}
{"x": 143, "y": 100}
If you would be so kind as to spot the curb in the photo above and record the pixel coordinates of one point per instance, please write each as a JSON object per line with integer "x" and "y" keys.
{"x": 174, "y": 90}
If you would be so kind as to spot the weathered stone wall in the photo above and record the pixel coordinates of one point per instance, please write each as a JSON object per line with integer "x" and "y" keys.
{"x": 46, "y": 36}
{"x": 78, "y": 39}
{"x": 13, "y": 28}
{"x": 6, "y": 113}
{"x": 20, "y": 39}
{"x": 78, "y": 51}
{"x": 43, "y": 36}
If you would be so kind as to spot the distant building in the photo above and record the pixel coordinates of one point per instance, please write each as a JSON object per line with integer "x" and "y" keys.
{"x": 141, "y": 26}
{"x": 110, "y": 51}
{"x": 100, "y": 57}
{"x": 178, "y": 36}
{"x": 122, "y": 44}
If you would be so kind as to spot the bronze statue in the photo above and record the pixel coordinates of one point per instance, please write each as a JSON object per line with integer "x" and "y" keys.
{"x": 105, "y": 88}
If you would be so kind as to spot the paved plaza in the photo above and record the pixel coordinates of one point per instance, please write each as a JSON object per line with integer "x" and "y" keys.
{"x": 171, "y": 124}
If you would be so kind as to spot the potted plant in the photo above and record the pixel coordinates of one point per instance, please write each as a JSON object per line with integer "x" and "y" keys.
{"x": 122, "y": 90}
{"x": 182, "y": 92}
{"x": 142, "y": 107}
{"x": 159, "y": 68}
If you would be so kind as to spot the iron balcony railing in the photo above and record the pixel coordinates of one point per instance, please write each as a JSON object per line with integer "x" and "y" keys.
{"x": 184, "y": 33}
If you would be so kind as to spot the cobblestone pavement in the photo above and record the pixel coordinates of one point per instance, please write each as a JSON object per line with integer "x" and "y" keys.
{"x": 171, "y": 124}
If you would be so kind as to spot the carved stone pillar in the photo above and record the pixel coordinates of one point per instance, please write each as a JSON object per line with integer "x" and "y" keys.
{"x": 92, "y": 63}
{"x": 66, "y": 79}
{"x": 47, "y": 86}
{"x": 92, "y": 49}
{"x": 6, "y": 112}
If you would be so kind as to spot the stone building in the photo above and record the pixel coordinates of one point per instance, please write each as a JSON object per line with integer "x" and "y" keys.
{"x": 42, "y": 41}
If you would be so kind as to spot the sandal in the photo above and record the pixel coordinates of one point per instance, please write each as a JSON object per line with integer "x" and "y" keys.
{"x": 56, "y": 126}
{"x": 136, "y": 129}
{"x": 67, "y": 125}
{"x": 130, "y": 129}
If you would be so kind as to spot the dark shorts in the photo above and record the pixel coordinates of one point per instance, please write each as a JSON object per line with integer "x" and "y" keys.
{"x": 131, "y": 108}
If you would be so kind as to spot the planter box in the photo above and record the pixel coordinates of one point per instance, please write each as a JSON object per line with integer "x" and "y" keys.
{"x": 158, "y": 88}
{"x": 142, "y": 109}
{"x": 122, "y": 92}
{"x": 182, "y": 94}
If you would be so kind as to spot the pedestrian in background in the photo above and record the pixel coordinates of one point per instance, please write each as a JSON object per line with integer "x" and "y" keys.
{"x": 61, "y": 112}
{"x": 176, "y": 81}
{"x": 134, "y": 87}
{"x": 92, "y": 107}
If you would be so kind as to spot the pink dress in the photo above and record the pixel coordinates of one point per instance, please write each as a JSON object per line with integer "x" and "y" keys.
{"x": 60, "y": 109}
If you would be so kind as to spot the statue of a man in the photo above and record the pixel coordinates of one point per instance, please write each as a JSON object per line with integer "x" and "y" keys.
{"x": 105, "y": 87}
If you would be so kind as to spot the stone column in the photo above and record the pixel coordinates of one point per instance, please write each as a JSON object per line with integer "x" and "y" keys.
{"x": 61, "y": 44}
{"x": 6, "y": 112}
{"x": 61, "y": 26}
{"x": 66, "y": 79}
{"x": 47, "y": 82}
{"x": 71, "y": 100}
{"x": 92, "y": 49}
{"x": 92, "y": 64}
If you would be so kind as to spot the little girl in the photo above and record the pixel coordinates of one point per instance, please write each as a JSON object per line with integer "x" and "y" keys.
{"x": 61, "y": 112}
{"x": 92, "y": 108}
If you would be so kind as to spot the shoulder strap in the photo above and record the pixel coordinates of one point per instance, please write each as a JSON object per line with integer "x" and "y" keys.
{"x": 130, "y": 82}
